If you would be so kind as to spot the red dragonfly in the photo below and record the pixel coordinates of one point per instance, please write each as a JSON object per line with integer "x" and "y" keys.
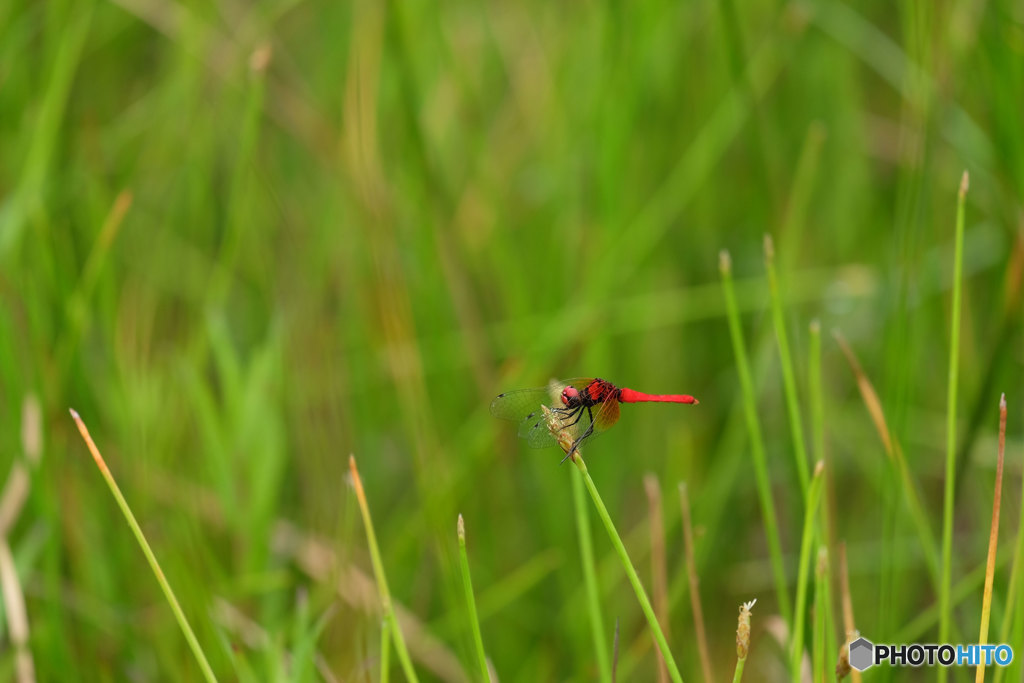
{"x": 583, "y": 406}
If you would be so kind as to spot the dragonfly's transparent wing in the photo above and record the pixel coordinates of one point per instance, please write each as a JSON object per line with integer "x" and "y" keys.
{"x": 524, "y": 406}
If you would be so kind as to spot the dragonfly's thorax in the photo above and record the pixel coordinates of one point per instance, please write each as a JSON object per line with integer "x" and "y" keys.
{"x": 598, "y": 391}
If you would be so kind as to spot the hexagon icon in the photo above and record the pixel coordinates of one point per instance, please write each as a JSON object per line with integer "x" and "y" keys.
{"x": 861, "y": 654}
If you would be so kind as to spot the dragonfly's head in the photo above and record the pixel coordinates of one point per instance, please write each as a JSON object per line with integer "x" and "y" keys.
{"x": 570, "y": 396}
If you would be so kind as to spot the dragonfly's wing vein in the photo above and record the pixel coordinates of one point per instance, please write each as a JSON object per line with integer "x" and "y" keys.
{"x": 524, "y": 406}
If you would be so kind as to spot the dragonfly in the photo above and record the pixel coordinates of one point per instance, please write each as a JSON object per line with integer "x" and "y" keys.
{"x": 581, "y": 408}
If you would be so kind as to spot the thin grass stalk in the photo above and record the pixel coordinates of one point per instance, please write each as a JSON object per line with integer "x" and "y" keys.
{"x": 386, "y": 607}
{"x": 796, "y": 428}
{"x": 691, "y": 573}
{"x": 821, "y": 613}
{"x": 849, "y": 622}
{"x": 1012, "y": 630}
{"x": 945, "y": 612}
{"x": 590, "y": 579}
{"x": 993, "y": 540}
{"x": 771, "y": 527}
{"x": 566, "y": 443}
{"x": 385, "y": 650}
{"x": 742, "y": 640}
{"x": 615, "y": 651}
{"x": 965, "y": 588}
{"x": 467, "y": 584}
{"x": 659, "y": 574}
{"x": 828, "y": 535}
{"x": 186, "y": 629}
{"x": 17, "y": 615}
{"x": 806, "y": 543}
{"x": 895, "y": 454}
{"x": 627, "y": 565}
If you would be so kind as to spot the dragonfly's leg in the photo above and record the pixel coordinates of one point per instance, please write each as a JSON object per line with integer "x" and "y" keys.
{"x": 579, "y": 414}
{"x": 563, "y": 414}
{"x": 585, "y": 434}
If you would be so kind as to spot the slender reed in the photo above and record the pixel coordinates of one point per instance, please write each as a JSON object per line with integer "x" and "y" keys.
{"x": 786, "y": 361}
{"x": 590, "y": 579}
{"x": 467, "y": 584}
{"x": 993, "y": 540}
{"x": 566, "y": 442}
{"x": 615, "y": 651}
{"x": 821, "y": 613}
{"x": 895, "y": 454}
{"x": 691, "y": 573}
{"x": 828, "y": 499}
{"x": 849, "y": 622}
{"x": 659, "y": 574}
{"x": 385, "y": 650}
{"x": 799, "y": 612}
{"x": 764, "y": 491}
{"x": 742, "y": 640}
{"x": 945, "y": 614}
{"x": 190, "y": 636}
{"x": 378, "y": 570}
{"x": 1012, "y": 629}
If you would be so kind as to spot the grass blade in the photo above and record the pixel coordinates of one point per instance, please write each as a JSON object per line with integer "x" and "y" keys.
{"x": 954, "y": 365}
{"x": 467, "y": 583}
{"x": 764, "y": 491}
{"x": 993, "y": 540}
{"x": 590, "y": 579}
{"x": 659, "y": 575}
{"x": 786, "y": 361}
{"x": 193, "y": 643}
{"x": 566, "y": 444}
{"x": 799, "y": 612}
{"x": 627, "y": 565}
{"x": 691, "y": 572}
{"x": 821, "y": 612}
{"x": 895, "y": 454}
{"x": 849, "y": 622}
{"x": 378, "y": 569}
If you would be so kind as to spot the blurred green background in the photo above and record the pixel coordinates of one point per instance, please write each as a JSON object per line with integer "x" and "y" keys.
{"x": 246, "y": 239}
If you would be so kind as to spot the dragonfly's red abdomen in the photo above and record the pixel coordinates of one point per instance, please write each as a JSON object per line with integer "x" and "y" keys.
{"x": 630, "y": 396}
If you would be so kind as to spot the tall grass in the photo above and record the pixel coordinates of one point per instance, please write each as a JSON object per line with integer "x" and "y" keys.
{"x": 945, "y": 609}
{"x": 246, "y": 237}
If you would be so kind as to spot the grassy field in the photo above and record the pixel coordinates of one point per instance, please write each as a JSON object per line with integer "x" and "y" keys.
{"x": 246, "y": 240}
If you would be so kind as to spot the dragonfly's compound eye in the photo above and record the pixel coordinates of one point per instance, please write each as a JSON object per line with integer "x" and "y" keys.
{"x": 569, "y": 395}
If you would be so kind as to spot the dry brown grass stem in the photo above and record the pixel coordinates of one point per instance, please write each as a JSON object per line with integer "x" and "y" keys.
{"x": 849, "y": 623}
{"x": 659, "y": 574}
{"x": 691, "y": 572}
{"x": 993, "y": 540}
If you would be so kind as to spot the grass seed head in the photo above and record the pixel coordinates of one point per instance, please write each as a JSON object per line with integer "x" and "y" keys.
{"x": 743, "y": 630}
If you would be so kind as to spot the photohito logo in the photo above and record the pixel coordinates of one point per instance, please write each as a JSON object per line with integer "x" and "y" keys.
{"x": 864, "y": 654}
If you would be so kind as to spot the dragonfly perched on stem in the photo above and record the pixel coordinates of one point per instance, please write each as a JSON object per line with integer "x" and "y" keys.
{"x": 580, "y": 408}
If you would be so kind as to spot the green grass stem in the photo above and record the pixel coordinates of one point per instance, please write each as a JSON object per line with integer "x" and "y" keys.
{"x": 590, "y": 579}
{"x": 796, "y": 428}
{"x": 764, "y": 491}
{"x": 627, "y": 565}
{"x": 945, "y": 611}
{"x": 387, "y": 609}
{"x": 474, "y": 621}
{"x": 190, "y": 636}
{"x": 806, "y": 545}
{"x": 821, "y": 617}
